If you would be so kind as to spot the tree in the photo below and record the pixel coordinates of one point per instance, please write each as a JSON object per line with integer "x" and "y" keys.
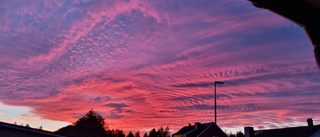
{"x": 164, "y": 132}
{"x": 115, "y": 133}
{"x": 240, "y": 134}
{"x": 153, "y": 133}
{"x": 137, "y": 134}
{"x": 90, "y": 125}
{"x": 27, "y": 125}
{"x": 130, "y": 134}
{"x": 159, "y": 133}
{"x": 145, "y": 135}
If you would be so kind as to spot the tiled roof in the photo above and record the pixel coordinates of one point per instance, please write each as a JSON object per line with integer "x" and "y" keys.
{"x": 288, "y": 132}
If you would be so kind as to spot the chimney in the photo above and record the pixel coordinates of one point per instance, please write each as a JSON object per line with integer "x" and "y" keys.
{"x": 197, "y": 125}
{"x": 248, "y": 132}
{"x": 310, "y": 123}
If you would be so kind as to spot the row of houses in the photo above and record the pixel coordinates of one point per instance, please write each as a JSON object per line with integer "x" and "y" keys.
{"x": 196, "y": 130}
{"x": 210, "y": 130}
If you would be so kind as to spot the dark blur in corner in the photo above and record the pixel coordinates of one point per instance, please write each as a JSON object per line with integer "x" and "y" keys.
{"x": 305, "y": 13}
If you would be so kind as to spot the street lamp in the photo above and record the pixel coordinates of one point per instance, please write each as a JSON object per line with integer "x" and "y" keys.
{"x": 215, "y": 104}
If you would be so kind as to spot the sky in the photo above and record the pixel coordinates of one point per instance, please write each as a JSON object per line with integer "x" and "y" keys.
{"x": 146, "y": 64}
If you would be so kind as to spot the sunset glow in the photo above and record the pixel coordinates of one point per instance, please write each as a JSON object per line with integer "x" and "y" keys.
{"x": 146, "y": 64}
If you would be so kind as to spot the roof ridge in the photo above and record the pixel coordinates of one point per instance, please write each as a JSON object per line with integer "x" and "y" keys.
{"x": 29, "y": 129}
{"x": 287, "y": 128}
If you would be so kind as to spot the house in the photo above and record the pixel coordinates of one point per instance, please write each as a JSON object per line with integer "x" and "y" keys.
{"x": 200, "y": 130}
{"x": 303, "y": 131}
{"x": 12, "y": 130}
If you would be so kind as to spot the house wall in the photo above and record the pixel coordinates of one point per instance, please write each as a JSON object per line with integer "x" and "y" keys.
{"x": 9, "y": 132}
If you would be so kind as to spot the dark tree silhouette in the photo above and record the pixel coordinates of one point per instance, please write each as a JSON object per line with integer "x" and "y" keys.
{"x": 145, "y": 135}
{"x": 130, "y": 134}
{"x": 116, "y": 133}
{"x": 137, "y": 134}
{"x": 164, "y": 132}
{"x": 27, "y": 125}
{"x": 153, "y": 133}
{"x": 159, "y": 133}
{"x": 240, "y": 134}
{"x": 90, "y": 125}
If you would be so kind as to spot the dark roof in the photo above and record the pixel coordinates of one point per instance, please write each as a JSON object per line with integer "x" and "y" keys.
{"x": 204, "y": 129}
{"x": 28, "y": 129}
{"x": 288, "y": 132}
